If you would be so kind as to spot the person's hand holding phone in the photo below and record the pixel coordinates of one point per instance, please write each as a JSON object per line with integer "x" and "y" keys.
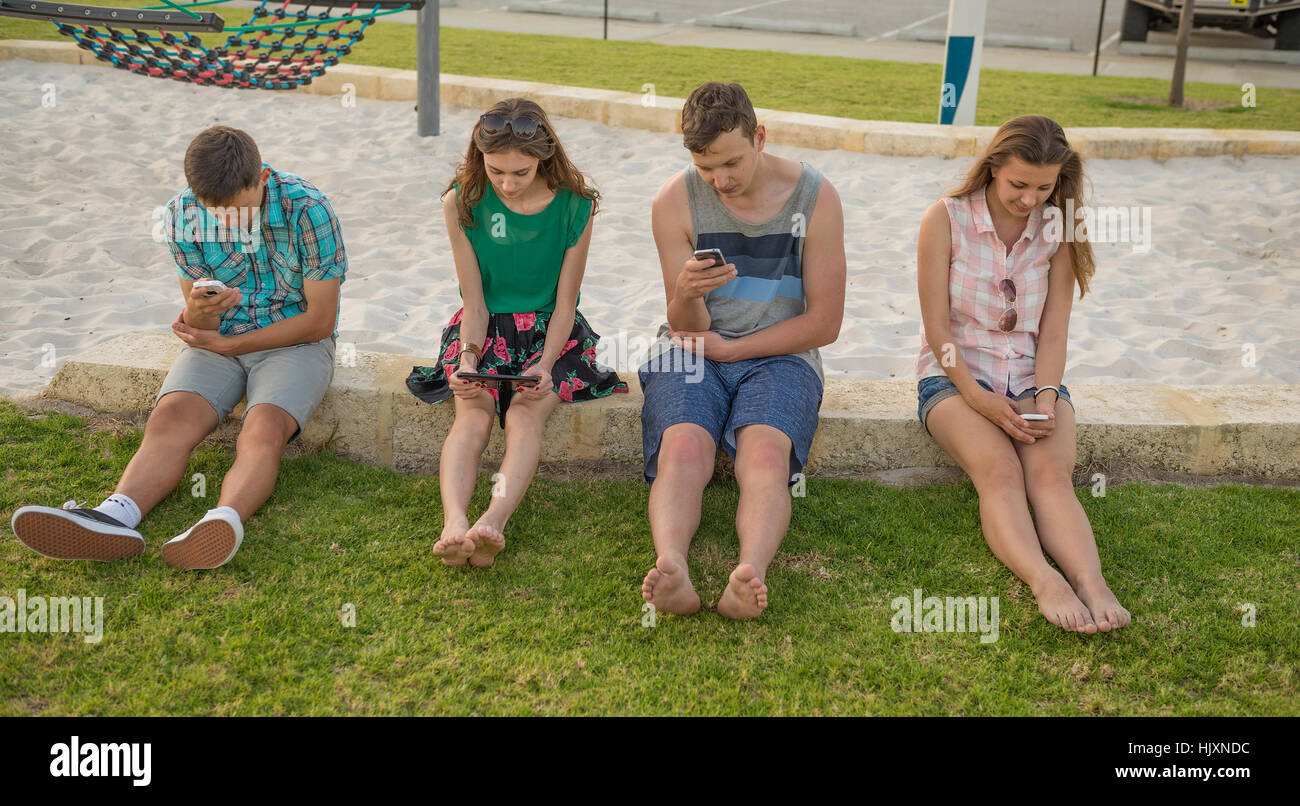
{"x": 702, "y": 273}
{"x": 1045, "y": 405}
{"x": 1002, "y": 412}
{"x": 466, "y": 388}
{"x": 535, "y": 391}
{"x": 204, "y": 304}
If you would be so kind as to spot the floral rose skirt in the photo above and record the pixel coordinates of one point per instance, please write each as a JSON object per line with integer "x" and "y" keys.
{"x": 514, "y": 343}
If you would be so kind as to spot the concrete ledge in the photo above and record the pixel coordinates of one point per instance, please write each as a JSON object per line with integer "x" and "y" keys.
{"x": 663, "y": 114}
{"x": 779, "y": 26}
{"x": 572, "y": 10}
{"x": 1211, "y": 54}
{"x": 1059, "y": 43}
{"x": 866, "y": 426}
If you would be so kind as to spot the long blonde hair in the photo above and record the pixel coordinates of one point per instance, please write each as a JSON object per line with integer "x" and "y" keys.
{"x": 553, "y": 165}
{"x": 1039, "y": 140}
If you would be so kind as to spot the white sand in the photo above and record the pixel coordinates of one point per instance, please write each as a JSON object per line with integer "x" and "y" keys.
{"x": 78, "y": 265}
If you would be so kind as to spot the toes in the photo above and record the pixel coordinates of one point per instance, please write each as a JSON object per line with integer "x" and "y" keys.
{"x": 648, "y": 586}
{"x": 454, "y": 549}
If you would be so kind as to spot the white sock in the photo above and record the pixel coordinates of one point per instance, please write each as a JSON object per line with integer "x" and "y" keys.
{"x": 121, "y": 508}
{"x": 225, "y": 511}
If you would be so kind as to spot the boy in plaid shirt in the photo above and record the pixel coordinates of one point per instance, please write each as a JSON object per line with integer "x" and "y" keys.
{"x": 265, "y": 332}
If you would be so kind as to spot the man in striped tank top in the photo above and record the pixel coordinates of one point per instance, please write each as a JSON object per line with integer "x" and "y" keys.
{"x": 737, "y": 362}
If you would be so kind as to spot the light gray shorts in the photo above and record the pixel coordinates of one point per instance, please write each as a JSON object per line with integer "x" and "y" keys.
{"x": 293, "y": 378}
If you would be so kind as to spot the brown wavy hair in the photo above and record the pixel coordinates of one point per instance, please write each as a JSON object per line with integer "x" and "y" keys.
{"x": 553, "y": 165}
{"x": 1039, "y": 140}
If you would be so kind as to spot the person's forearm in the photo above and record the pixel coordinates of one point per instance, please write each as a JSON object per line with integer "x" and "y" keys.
{"x": 959, "y": 373}
{"x": 1049, "y": 362}
{"x": 473, "y": 330}
{"x": 299, "y": 329}
{"x": 558, "y": 330}
{"x": 690, "y": 314}
{"x": 794, "y": 335}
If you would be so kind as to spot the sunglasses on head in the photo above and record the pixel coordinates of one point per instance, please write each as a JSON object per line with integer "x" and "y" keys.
{"x": 523, "y": 125}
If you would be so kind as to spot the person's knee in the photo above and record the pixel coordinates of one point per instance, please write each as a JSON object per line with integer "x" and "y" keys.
{"x": 999, "y": 472}
{"x": 1049, "y": 479}
{"x": 762, "y": 459}
{"x": 687, "y": 448}
{"x": 265, "y": 428}
{"x": 182, "y": 419}
{"x": 525, "y": 419}
{"x": 476, "y": 423}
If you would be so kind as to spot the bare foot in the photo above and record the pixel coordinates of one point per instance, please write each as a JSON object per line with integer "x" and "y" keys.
{"x": 668, "y": 587}
{"x": 1059, "y": 605}
{"x": 745, "y": 596}
{"x": 488, "y": 541}
{"x": 1105, "y": 608}
{"x": 453, "y": 546}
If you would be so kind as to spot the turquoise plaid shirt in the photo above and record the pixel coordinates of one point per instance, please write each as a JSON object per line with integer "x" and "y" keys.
{"x": 297, "y": 238}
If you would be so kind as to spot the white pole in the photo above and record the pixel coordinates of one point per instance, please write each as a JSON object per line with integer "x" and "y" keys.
{"x": 961, "y": 62}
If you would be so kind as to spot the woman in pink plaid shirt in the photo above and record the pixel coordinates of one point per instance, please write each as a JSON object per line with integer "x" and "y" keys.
{"x": 995, "y": 303}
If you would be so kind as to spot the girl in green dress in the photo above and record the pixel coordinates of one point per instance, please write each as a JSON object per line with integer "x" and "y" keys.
{"x": 519, "y": 216}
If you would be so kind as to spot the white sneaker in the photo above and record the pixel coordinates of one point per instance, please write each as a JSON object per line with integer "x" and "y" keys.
{"x": 210, "y": 543}
{"x": 75, "y": 533}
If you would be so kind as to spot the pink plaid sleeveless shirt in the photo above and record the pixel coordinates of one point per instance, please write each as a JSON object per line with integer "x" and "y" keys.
{"x": 978, "y": 264}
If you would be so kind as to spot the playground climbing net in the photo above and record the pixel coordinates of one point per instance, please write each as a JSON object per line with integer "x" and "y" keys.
{"x": 278, "y": 48}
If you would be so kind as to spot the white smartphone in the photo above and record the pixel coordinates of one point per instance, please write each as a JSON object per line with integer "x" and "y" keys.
{"x": 214, "y": 287}
{"x": 1033, "y": 416}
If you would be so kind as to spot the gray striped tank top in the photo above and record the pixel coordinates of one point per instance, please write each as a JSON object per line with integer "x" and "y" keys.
{"x": 768, "y": 287}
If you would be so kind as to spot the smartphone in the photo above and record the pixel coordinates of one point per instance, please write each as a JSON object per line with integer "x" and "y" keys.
{"x": 214, "y": 287}
{"x": 714, "y": 254}
{"x": 1033, "y": 416}
{"x": 485, "y": 377}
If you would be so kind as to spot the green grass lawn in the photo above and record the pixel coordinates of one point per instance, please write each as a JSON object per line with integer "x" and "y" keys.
{"x": 826, "y": 85}
{"x": 555, "y": 627}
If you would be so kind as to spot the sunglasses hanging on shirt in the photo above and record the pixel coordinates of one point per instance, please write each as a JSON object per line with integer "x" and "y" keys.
{"x": 1007, "y": 321}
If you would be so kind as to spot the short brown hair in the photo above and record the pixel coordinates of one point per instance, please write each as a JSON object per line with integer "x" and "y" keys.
{"x": 221, "y": 162}
{"x": 714, "y": 108}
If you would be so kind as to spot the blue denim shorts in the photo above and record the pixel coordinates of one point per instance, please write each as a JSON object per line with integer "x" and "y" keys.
{"x": 929, "y": 391}
{"x": 782, "y": 391}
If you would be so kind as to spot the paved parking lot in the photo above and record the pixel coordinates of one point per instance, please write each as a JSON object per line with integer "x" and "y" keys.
{"x": 880, "y": 19}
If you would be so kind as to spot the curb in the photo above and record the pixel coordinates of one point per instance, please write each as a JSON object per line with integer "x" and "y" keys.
{"x": 780, "y": 27}
{"x": 1063, "y": 44}
{"x": 1291, "y": 57}
{"x": 572, "y": 10}
{"x": 799, "y": 129}
{"x": 866, "y": 426}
